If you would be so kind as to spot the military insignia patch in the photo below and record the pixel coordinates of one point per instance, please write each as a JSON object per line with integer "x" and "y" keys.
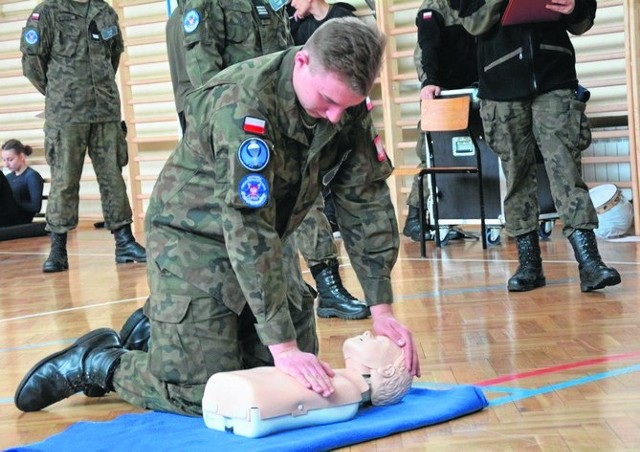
{"x": 35, "y": 16}
{"x": 109, "y": 33}
{"x": 254, "y": 154}
{"x": 368, "y": 103}
{"x": 277, "y": 4}
{"x": 254, "y": 125}
{"x": 427, "y": 15}
{"x": 31, "y": 36}
{"x": 254, "y": 190}
{"x": 191, "y": 21}
{"x": 381, "y": 153}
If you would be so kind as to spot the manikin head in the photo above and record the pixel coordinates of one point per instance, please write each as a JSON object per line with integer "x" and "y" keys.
{"x": 383, "y": 360}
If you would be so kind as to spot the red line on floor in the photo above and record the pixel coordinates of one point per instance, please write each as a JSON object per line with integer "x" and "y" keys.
{"x": 558, "y": 368}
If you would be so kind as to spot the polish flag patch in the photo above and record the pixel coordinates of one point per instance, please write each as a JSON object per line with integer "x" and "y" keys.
{"x": 368, "y": 103}
{"x": 380, "y": 151}
{"x": 254, "y": 125}
{"x": 35, "y": 16}
{"x": 427, "y": 15}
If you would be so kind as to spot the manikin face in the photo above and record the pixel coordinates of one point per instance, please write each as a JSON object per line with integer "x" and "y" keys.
{"x": 13, "y": 160}
{"x": 322, "y": 94}
{"x": 383, "y": 361}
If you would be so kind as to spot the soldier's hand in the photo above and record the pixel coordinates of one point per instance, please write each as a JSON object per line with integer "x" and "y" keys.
{"x": 430, "y": 92}
{"x": 385, "y": 324}
{"x": 306, "y": 368}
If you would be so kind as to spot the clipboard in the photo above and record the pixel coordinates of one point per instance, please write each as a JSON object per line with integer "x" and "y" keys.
{"x": 528, "y": 11}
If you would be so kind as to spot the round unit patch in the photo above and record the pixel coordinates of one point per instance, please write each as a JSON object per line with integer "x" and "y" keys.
{"x": 191, "y": 21}
{"x": 31, "y": 36}
{"x": 254, "y": 190}
{"x": 253, "y": 154}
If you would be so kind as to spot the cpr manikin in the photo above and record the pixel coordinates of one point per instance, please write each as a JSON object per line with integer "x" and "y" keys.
{"x": 264, "y": 400}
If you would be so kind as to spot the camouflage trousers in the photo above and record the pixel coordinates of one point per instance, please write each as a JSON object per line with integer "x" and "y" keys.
{"x": 194, "y": 336}
{"x": 554, "y": 122}
{"x": 315, "y": 237}
{"x": 65, "y": 149}
{"x": 413, "y": 199}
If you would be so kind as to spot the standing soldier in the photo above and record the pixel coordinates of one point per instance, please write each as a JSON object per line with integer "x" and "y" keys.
{"x": 445, "y": 58}
{"x": 529, "y": 97}
{"x": 70, "y": 53}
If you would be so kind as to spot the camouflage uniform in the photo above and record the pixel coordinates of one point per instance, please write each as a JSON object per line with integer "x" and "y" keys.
{"x": 70, "y": 54}
{"x": 222, "y": 285}
{"x": 220, "y": 33}
{"x": 448, "y": 60}
{"x": 528, "y": 98}
{"x": 178, "y": 62}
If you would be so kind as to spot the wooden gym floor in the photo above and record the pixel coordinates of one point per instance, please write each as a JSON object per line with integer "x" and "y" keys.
{"x": 561, "y": 368}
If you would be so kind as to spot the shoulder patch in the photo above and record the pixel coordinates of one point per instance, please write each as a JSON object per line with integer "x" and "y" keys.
{"x": 253, "y": 154}
{"x": 427, "y": 15}
{"x": 277, "y": 4}
{"x": 35, "y": 16}
{"x": 381, "y": 152}
{"x": 191, "y": 21}
{"x": 254, "y": 190}
{"x": 31, "y": 36}
{"x": 254, "y": 125}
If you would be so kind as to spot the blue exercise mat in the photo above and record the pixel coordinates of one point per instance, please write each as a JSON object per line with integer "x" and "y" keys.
{"x": 171, "y": 432}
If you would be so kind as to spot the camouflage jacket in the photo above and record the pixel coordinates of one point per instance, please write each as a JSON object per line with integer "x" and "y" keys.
{"x": 72, "y": 59}
{"x": 221, "y": 226}
{"x": 219, "y": 33}
{"x": 445, "y": 54}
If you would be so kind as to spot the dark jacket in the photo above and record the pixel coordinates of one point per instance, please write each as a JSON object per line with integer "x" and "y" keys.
{"x": 301, "y": 30}
{"x": 520, "y": 61}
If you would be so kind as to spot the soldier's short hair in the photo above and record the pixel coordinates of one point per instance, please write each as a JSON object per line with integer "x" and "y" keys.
{"x": 349, "y": 47}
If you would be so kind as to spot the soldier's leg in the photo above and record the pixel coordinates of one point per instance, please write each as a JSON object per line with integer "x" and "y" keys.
{"x": 559, "y": 126}
{"x": 508, "y": 132}
{"x": 65, "y": 148}
{"x": 193, "y": 337}
{"x": 108, "y": 153}
{"x": 317, "y": 246}
{"x": 412, "y": 223}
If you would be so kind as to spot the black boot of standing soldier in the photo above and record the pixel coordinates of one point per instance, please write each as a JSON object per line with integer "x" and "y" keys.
{"x": 594, "y": 274}
{"x": 529, "y": 274}
{"x": 57, "y": 260}
{"x": 127, "y": 249}
{"x": 333, "y": 299}
{"x": 412, "y": 225}
{"x": 87, "y": 365}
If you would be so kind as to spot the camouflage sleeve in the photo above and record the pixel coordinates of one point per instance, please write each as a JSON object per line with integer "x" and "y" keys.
{"x": 35, "y": 45}
{"x": 478, "y": 16}
{"x": 117, "y": 47}
{"x": 204, "y": 39}
{"x": 364, "y": 210}
{"x": 248, "y": 214}
{"x": 581, "y": 19}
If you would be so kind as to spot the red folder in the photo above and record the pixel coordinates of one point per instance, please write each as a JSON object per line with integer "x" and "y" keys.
{"x": 528, "y": 11}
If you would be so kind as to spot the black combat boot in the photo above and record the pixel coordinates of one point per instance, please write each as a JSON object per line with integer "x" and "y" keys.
{"x": 529, "y": 274}
{"x": 412, "y": 225}
{"x": 127, "y": 249}
{"x": 57, "y": 260}
{"x": 594, "y": 274}
{"x": 136, "y": 331}
{"x": 87, "y": 365}
{"x": 333, "y": 299}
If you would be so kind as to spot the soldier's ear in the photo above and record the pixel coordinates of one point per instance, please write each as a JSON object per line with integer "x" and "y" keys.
{"x": 302, "y": 58}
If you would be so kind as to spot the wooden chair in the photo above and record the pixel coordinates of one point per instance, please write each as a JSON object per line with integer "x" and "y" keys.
{"x": 446, "y": 114}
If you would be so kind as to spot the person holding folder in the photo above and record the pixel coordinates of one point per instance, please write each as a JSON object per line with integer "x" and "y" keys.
{"x": 529, "y": 97}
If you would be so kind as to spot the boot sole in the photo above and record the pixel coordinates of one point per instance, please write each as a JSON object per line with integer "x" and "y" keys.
{"x": 39, "y": 364}
{"x": 128, "y": 260}
{"x": 611, "y": 281}
{"x": 535, "y": 285}
{"x": 56, "y": 270}
{"x": 329, "y": 312}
